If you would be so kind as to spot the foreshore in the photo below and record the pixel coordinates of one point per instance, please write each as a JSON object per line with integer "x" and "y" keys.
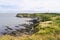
{"x": 28, "y": 28}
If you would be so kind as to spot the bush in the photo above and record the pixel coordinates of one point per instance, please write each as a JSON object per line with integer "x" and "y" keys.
{"x": 45, "y": 18}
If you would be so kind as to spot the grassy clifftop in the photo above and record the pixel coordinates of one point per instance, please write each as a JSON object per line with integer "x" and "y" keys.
{"x": 48, "y": 28}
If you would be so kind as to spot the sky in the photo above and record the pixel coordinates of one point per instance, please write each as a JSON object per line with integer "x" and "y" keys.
{"x": 30, "y": 6}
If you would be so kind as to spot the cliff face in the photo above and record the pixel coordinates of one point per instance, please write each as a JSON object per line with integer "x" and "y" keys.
{"x": 26, "y": 15}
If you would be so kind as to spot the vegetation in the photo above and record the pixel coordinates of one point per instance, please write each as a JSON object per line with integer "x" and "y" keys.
{"x": 48, "y": 28}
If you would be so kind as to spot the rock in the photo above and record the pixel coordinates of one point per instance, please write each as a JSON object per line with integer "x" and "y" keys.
{"x": 16, "y": 26}
{"x": 9, "y": 28}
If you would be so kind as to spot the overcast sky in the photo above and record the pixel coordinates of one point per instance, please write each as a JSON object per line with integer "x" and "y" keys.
{"x": 14, "y": 6}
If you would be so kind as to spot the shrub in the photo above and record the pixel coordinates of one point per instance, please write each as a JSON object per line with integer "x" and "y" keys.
{"x": 45, "y": 18}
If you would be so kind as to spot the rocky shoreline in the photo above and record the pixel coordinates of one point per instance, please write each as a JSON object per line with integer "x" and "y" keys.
{"x": 28, "y": 28}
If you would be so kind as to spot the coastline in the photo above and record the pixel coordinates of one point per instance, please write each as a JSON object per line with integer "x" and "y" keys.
{"x": 47, "y": 28}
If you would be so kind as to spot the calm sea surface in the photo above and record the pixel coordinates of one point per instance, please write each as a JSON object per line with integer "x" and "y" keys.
{"x": 10, "y": 19}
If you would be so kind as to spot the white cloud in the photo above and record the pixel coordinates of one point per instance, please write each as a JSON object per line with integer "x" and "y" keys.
{"x": 30, "y": 5}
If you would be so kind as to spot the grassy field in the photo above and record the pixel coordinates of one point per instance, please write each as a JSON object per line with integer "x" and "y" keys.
{"x": 48, "y": 28}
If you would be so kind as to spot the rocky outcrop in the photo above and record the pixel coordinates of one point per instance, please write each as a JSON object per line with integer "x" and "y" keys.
{"x": 28, "y": 28}
{"x": 25, "y": 15}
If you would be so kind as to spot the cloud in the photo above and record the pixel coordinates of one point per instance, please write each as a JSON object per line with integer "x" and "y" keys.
{"x": 29, "y": 6}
